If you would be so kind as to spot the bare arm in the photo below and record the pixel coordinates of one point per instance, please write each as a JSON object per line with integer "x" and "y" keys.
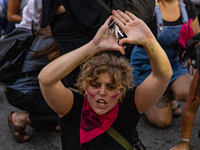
{"x": 60, "y": 98}
{"x": 148, "y": 92}
{"x": 195, "y": 26}
{"x": 189, "y": 113}
{"x": 12, "y": 13}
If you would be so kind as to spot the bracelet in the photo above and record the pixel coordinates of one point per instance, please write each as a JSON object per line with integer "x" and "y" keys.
{"x": 185, "y": 140}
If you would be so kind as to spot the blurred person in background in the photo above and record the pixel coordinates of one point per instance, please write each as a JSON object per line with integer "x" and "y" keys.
{"x": 14, "y": 12}
{"x": 197, "y": 3}
{"x": 25, "y": 93}
{"x": 32, "y": 11}
{"x": 5, "y": 26}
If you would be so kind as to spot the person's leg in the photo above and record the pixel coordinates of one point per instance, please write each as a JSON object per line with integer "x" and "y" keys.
{"x": 160, "y": 114}
{"x": 39, "y": 114}
{"x": 9, "y": 27}
{"x": 180, "y": 87}
{"x": 180, "y": 91}
{"x": 1, "y": 25}
{"x": 17, "y": 123}
{"x": 44, "y": 122}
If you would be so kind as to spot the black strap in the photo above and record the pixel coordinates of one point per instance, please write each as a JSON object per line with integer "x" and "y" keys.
{"x": 120, "y": 139}
{"x": 32, "y": 27}
{"x": 104, "y": 5}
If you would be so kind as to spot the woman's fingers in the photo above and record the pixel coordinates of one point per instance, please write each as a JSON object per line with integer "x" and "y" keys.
{"x": 108, "y": 20}
{"x": 119, "y": 16}
{"x": 122, "y": 17}
{"x": 106, "y": 24}
{"x": 132, "y": 16}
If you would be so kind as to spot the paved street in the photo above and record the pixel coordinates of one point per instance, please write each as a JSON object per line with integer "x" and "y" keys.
{"x": 152, "y": 137}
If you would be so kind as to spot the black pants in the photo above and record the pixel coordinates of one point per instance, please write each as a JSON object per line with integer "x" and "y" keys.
{"x": 40, "y": 114}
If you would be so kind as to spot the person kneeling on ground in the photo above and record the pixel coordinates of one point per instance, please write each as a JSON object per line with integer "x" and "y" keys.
{"x": 25, "y": 93}
{"x": 88, "y": 117}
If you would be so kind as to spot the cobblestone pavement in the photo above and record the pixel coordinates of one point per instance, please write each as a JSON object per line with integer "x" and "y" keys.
{"x": 152, "y": 137}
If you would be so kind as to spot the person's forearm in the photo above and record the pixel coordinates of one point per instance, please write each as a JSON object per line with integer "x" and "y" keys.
{"x": 158, "y": 59}
{"x": 186, "y": 125}
{"x": 15, "y": 18}
{"x": 190, "y": 109}
{"x": 63, "y": 65}
{"x": 12, "y": 12}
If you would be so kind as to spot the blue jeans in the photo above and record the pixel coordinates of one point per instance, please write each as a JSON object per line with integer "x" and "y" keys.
{"x": 6, "y": 25}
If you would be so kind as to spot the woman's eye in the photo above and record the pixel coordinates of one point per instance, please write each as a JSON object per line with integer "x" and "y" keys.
{"x": 111, "y": 87}
{"x": 95, "y": 85}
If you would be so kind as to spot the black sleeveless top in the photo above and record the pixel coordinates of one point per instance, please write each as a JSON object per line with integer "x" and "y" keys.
{"x": 125, "y": 124}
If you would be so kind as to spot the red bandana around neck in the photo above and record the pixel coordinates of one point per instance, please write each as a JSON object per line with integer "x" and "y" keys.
{"x": 92, "y": 124}
{"x": 185, "y": 34}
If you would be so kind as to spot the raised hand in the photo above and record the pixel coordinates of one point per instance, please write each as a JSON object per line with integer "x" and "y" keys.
{"x": 106, "y": 40}
{"x": 136, "y": 30}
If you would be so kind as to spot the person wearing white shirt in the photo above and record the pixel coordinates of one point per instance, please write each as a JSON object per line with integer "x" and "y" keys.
{"x": 32, "y": 11}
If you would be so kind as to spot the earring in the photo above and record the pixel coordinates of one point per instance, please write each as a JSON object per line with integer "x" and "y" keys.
{"x": 119, "y": 100}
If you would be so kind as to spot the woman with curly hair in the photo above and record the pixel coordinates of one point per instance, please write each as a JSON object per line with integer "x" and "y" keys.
{"x": 88, "y": 117}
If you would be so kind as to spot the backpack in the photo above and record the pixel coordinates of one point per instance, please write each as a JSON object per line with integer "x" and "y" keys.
{"x": 13, "y": 50}
{"x": 143, "y": 9}
{"x": 192, "y": 51}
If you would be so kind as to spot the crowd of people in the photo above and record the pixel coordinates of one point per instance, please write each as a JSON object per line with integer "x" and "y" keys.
{"x": 106, "y": 88}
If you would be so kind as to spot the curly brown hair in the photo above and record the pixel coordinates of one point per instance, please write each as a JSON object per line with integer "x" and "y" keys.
{"x": 118, "y": 68}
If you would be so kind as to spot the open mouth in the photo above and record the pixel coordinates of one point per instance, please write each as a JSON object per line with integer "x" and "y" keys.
{"x": 101, "y": 102}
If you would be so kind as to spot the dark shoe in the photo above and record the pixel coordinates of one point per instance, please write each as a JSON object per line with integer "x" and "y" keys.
{"x": 138, "y": 144}
{"x": 18, "y": 133}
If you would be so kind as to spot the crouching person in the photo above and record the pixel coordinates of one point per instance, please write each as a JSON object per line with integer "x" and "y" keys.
{"x": 107, "y": 100}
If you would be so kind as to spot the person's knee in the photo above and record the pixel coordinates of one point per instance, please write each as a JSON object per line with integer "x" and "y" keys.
{"x": 184, "y": 96}
{"x": 161, "y": 122}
